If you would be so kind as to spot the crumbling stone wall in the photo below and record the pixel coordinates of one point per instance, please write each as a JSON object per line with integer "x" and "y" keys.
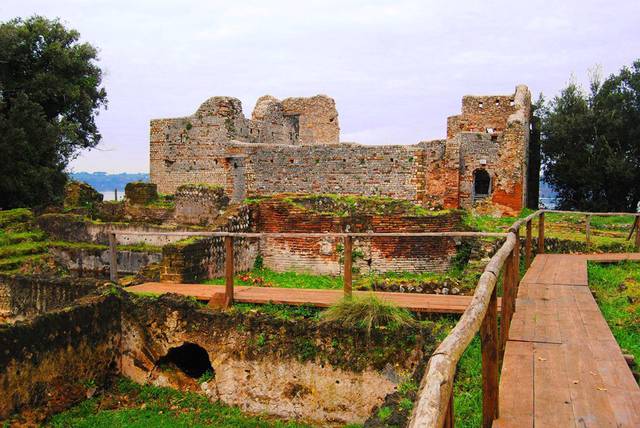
{"x": 342, "y": 169}
{"x": 288, "y": 368}
{"x": 59, "y": 358}
{"x": 199, "y": 204}
{"x": 203, "y": 258}
{"x": 22, "y": 296}
{"x": 292, "y": 146}
{"x": 194, "y": 149}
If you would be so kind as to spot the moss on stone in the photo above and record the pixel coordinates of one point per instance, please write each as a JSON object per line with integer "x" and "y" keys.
{"x": 80, "y": 194}
{"x": 349, "y": 205}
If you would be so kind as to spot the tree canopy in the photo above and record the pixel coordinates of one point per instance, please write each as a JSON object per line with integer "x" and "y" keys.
{"x": 591, "y": 143}
{"x": 50, "y": 93}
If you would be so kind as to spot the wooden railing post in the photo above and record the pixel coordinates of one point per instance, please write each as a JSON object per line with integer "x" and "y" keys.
{"x": 588, "y": 229}
{"x": 489, "y": 346}
{"x": 506, "y": 308}
{"x": 449, "y": 420}
{"x": 348, "y": 263}
{"x": 228, "y": 271}
{"x": 638, "y": 232}
{"x": 541, "y": 233}
{"x": 516, "y": 265}
{"x": 527, "y": 246}
{"x": 113, "y": 257}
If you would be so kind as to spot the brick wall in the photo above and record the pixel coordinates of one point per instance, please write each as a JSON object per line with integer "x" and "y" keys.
{"x": 323, "y": 256}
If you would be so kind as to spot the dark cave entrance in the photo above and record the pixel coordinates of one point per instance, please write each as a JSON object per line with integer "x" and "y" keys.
{"x": 192, "y": 359}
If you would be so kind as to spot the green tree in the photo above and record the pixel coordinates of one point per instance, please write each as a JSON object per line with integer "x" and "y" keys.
{"x": 591, "y": 143}
{"x": 50, "y": 93}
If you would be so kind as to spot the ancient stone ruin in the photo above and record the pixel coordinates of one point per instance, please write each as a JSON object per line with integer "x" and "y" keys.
{"x": 293, "y": 146}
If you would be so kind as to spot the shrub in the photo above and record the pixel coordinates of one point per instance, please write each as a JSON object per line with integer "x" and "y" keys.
{"x": 367, "y": 312}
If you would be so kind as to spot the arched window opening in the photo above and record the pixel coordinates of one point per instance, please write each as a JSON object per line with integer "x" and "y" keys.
{"x": 481, "y": 184}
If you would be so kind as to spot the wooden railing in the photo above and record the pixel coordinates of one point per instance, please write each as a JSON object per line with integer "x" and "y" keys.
{"x": 228, "y": 245}
{"x": 434, "y": 405}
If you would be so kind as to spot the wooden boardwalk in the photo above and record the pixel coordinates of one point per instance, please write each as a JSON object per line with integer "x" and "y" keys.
{"x": 562, "y": 366}
{"x": 436, "y": 303}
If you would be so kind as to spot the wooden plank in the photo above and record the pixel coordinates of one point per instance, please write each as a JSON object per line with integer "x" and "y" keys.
{"x": 527, "y": 247}
{"x": 435, "y": 303}
{"x": 535, "y": 270}
{"x": 348, "y": 265}
{"x": 113, "y": 258}
{"x": 516, "y": 386}
{"x": 552, "y": 397}
{"x": 490, "y": 356}
{"x": 541, "y": 234}
{"x": 580, "y": 377}
{"x": 228, "y": 271}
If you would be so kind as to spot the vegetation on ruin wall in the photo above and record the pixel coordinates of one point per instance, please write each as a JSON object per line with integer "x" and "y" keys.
{"x": 300, "y": 333}
{"x": 349, "y": 205}
{"x": 24, "y": 245}
{"x": 127, "y": 404}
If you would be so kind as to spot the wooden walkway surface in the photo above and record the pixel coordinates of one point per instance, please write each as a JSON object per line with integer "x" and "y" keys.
{"x": 562, "y": 366}
{"x": 436, "y": 303}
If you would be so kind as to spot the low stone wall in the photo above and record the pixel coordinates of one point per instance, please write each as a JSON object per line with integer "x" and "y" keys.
{"x": 59, "y": 358}
{"x": 288, "y": 368}
{"x": 75, "y": 228}
{"x": 98, "y": 261}
{"x": 22, "y": 296}
{"x": 200, "y": 259}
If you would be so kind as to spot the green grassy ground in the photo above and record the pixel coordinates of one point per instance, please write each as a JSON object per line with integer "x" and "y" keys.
{"x": 263, "y": 277}
{"x": 617, "y": 291}
{"x": 605, "y": 231}
{"x": 130, "y": 405}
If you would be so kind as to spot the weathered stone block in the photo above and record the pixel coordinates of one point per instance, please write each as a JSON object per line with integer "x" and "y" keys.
{"x": 79, "y": 194}
{"x": 139, "y": 193}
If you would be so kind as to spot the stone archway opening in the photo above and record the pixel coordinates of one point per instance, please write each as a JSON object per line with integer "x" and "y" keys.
{"x": 481, "y": 184}
{"x": 190, "y": 358}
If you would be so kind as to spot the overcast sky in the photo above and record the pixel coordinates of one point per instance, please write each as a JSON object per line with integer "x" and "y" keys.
{"x": 396, "y": 69}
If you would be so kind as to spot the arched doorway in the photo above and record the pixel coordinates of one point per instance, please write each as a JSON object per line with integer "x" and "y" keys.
{"x": 481, "y": 184}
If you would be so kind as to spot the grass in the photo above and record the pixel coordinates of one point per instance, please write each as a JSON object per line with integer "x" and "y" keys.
{"x": 605, "y": 231}
{"x": 347, "y": 205}
{"x": 617, "y": 291}
{"x": 128, "y": 404}
{"x": 285, "y": 312}
{"x": 267, "y": 278}
{"x": 468, "y": 387}
{"x": 264, "y": 277}
{"x": 367, "y": 312}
